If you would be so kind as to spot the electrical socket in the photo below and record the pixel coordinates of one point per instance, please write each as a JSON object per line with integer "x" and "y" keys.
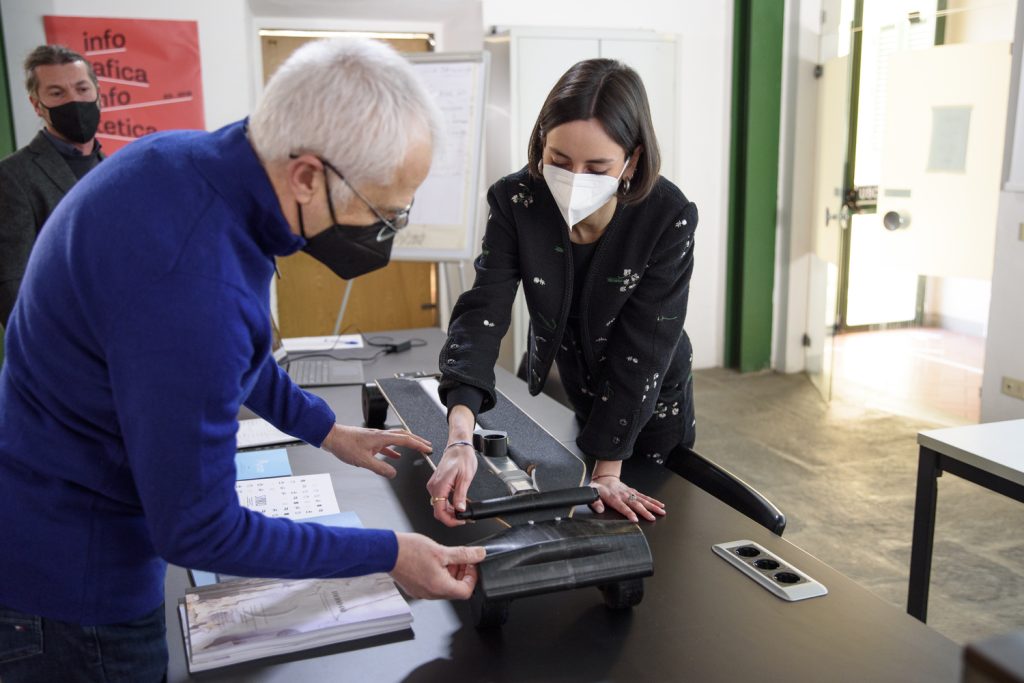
{"x": 1013, "y": 387}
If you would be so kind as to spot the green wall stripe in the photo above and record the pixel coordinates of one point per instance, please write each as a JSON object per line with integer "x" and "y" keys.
{"x": 757, "y": 93}
{"x": 734, "y": 248}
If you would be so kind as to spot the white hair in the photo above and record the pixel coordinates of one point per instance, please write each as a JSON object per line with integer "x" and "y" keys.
{"x": 354, "y": 102}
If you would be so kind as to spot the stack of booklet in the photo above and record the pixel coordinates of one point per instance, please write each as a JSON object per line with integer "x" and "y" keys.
{"x": 244, "y": 619}
{"x": 227, "y": 619}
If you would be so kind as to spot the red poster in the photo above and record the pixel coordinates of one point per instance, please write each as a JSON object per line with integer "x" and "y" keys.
{"x": 148, "y": 71}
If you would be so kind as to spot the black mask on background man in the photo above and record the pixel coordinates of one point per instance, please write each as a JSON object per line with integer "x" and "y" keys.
{"x": 77, "y": 121}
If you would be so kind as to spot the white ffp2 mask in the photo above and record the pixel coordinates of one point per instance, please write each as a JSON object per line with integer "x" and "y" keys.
{"x": 580, "y": 194}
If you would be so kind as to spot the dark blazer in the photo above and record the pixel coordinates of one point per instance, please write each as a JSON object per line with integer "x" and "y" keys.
{"x": 32, "y": 181}
{"x": 630, "y": 369}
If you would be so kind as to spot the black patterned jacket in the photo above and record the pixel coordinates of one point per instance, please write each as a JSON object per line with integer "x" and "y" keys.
{"x": 633, "y": 369}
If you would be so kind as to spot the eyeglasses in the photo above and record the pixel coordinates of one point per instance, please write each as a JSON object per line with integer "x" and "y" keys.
{"x": 389, "y": 226}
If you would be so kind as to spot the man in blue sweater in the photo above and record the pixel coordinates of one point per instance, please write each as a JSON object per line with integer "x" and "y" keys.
{"x": 141, "y": 328}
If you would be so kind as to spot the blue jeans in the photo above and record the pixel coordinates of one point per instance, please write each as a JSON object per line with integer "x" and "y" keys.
{"x": 34, "y": 648}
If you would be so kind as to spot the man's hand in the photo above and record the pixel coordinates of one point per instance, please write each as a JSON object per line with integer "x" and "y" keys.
{"x": 426, "y": 569}
{"x": 359, "y": 446}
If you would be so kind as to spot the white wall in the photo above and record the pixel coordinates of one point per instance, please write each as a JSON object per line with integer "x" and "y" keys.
{"x": 702, "y": 151}
{"x": 958, "y": 304}
{"x": 1004, "y": 346}
{"x": 979, "y": 21}
{"x": 224, "y": 47}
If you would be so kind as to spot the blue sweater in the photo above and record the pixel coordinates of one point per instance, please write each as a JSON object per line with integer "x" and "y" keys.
{"x": 141, "y": 327}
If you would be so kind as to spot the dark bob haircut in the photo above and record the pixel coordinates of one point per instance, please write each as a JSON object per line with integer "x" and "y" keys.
{"x": 52, "y": 55}
{"x": 612, "y": 93}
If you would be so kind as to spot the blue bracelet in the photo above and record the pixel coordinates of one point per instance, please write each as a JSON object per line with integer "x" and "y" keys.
{"x": 453, "y": 444}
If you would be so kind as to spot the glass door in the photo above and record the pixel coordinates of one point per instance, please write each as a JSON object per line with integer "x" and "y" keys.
{"x": 911, "y": 121}
{"x": 831, "y": 213}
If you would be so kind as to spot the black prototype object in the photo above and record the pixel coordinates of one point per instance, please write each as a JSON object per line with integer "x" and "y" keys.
{"x": 531, "y": 484}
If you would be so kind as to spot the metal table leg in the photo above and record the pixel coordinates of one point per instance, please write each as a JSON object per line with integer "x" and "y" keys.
{"x": 928, "y": 472}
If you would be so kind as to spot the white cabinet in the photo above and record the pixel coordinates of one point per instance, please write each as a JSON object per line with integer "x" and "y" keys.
{"x": 527, "y": 62}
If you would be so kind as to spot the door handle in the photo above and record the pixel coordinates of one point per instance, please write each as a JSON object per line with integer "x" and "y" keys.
{"x": 840, "y": 217}
{"x": 895, "y": 220}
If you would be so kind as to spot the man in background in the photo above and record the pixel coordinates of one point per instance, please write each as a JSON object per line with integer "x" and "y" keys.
{"x": 65, "y": 95}
{"x": 143, "y": 326}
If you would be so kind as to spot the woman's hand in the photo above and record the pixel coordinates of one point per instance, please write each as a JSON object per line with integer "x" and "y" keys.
{"x": 624, "y": 499}
{"x": 450, "y": 481}
{"x": 359, "y": 446}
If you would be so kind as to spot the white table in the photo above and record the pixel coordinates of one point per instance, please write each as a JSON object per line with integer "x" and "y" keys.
{"x": 990, "y": 455}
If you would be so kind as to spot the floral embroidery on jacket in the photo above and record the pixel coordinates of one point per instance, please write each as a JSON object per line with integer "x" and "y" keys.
{"x": 523, "y": 197}
{"x": 662, "y": 409}
{"x": 628, "y": 280}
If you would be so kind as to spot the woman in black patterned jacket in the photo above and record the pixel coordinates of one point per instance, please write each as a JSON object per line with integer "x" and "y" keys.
{"x": 604, "y": 248}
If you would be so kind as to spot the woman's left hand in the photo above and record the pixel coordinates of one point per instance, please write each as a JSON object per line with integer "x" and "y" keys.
{"x": 625, "y": 499}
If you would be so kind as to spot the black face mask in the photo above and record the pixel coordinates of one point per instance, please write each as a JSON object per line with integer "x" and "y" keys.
{"x": 77, "y": 121}
{"x": 348, "y": 250}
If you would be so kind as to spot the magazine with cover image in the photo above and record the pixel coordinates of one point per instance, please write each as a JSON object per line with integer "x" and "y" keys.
{"x": 248, "y": 619}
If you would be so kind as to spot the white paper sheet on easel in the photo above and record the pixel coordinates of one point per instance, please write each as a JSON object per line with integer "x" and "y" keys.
{"x": 310, "y": 495}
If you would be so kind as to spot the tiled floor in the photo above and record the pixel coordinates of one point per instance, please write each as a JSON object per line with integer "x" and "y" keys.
{"x": 927, "y": 373}
{"x": 845, "y": 476}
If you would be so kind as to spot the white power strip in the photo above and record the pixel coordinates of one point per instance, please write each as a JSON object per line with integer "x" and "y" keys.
{"x": 778, "y": 577}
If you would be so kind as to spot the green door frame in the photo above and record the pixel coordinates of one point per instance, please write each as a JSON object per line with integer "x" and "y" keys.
{"x": 753, "y": 182}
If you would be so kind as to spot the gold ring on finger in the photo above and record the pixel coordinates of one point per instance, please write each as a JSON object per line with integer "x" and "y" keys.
{"x": 437, "y": 499}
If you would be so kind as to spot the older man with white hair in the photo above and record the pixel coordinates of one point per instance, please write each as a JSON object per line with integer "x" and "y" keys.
{"x": 141, "y": 328}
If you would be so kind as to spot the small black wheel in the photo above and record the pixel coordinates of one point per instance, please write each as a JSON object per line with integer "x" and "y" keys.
{"x": 375, "y": 406}
{"x": 623, "y": 594}
{"x": 488, "y": 614}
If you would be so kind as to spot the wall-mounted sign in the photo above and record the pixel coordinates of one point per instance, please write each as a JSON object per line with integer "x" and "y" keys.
{"x": 148, "y": 70}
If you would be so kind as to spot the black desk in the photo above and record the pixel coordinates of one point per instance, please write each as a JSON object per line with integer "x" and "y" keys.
{"x": 701, "y": 619}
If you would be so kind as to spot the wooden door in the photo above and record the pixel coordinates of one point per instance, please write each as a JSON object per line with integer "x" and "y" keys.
{"x": 400, "y": 296}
